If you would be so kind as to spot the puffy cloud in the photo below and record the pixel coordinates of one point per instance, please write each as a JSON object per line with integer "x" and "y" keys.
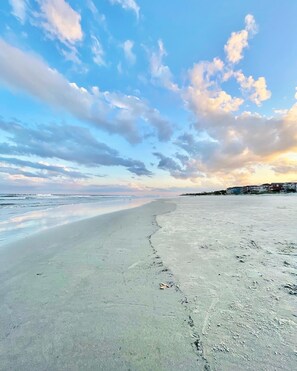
{"x": 19, "y": 9}
{"x": 187, "y": 169}
{"x": 235, "y": 45}
{"x": 239, "y": 40}
{"x": 68, "y": 143}
{"x": 204, "y": 95}
{"x": 251, "y": 25}
{"x": 224, "y": 144}
{"x": 128, "y": 5}
{"x": 97, "y": 51}
{"x": 160, "y": 72}
{"x": 128, "y": 107}
{"x": 26, "y": 72}
{"x": 255, "y": 89}
{"x": 285, "y": 167}
{"x": 127, "y": 47}
{"x": 61, "y": 21}
{"x": 198, "y": 148}
{"x": 243, "y": 142}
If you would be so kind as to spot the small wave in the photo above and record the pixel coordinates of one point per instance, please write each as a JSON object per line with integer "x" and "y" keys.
{"x": 46, "y": 195}
{"x": 11, "y": 195}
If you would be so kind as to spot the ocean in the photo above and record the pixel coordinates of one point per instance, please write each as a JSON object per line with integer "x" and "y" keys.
{"x": 24, "y": 214}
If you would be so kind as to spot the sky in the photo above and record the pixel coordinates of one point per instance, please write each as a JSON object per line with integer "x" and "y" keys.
{"x": 146, "y": 97}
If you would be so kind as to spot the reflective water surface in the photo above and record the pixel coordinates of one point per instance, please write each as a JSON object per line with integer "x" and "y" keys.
{"x": 20, "y": 217}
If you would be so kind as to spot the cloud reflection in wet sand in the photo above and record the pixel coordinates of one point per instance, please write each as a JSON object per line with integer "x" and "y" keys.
{"x": 21, "y": 225}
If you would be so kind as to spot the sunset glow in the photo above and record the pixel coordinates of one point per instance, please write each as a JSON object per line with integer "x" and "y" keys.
{"x": 144, "y": 97}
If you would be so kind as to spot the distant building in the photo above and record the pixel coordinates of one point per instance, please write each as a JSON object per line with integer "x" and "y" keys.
{"x": 290, "y": 187}
{"x": 276, "y": 187}
{"x": 251, "y": 189}
{"x": 263, "y": 188}
{"x": 234, "y": 190}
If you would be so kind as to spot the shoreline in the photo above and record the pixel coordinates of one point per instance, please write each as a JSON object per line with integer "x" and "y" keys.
{"x": 23, "y": 223}
{"x": 174, "y": 284}
{"x": 89, "y": 298}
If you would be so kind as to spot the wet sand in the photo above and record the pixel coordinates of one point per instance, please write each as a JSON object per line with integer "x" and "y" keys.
{"x": 86, "y": 296}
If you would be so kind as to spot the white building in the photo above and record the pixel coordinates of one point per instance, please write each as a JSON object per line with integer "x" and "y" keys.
{"x": 263, "y": 188}
{"x": 290, "y": 187}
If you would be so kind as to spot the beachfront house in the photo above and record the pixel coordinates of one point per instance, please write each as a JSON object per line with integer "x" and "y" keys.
{"x": 252, "y": 189}
{"x": 290, "y": 187}
{"x": 264, "y": 188}
{"x": 234, "y": 191}
{"x": 276, "y": 187}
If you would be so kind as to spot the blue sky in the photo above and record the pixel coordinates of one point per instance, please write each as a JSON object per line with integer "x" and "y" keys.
{"x": 146, "y": 97}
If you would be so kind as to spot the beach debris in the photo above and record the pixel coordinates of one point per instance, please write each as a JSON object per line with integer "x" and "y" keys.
{"x": 184, "y": 300}
{"x": 163, "y": 286}
{"x": 190, "y": 322}
{"x": 221, "y": 348}
{"x": 291, "y": 289}
{"x": 241, "y": 258}
{"x": 254, "y": 244}
{"x": 197, "y": 345}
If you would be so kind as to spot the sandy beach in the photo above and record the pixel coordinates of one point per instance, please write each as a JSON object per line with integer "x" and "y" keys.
{"x": 86, "y": 296}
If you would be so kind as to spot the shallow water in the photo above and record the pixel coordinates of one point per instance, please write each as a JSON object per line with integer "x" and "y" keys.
{"x": 23, "y": 215}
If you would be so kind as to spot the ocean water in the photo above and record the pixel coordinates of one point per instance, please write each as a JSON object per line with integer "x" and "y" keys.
{"x": 25, "y": 214}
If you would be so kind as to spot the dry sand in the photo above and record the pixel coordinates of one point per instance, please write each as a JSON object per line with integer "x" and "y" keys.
{"x": 86, "y": 296}
{"x": 234, "y": 259}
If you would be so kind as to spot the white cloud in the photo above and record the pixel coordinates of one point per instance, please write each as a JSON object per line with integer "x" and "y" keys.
{"x": 117, "y": 113}
{"x": 280, "y": 112}
{"x": 128, "y": 5}
{"x": 182, "y": 168}
{"x": 127, "y": 47}
{"x": 239, "y": 143}
{"x": 255, "y": 89}
{"x": 204, "y": 95}
{"x": 97, "y": 15}
{"x": 251, "y": 25}
{"x": 239, "y": 40}
{"x": 160, "y": 72}
{"x": 61, "y": 21}
{"x": 98, "y": 52}
{"x": 129, "y": 108}
{"x": 236, "y": 142}
{"x": 233, "y": 144}
{"x": 19, "y": 9}
{"x": 71, "y": 54}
